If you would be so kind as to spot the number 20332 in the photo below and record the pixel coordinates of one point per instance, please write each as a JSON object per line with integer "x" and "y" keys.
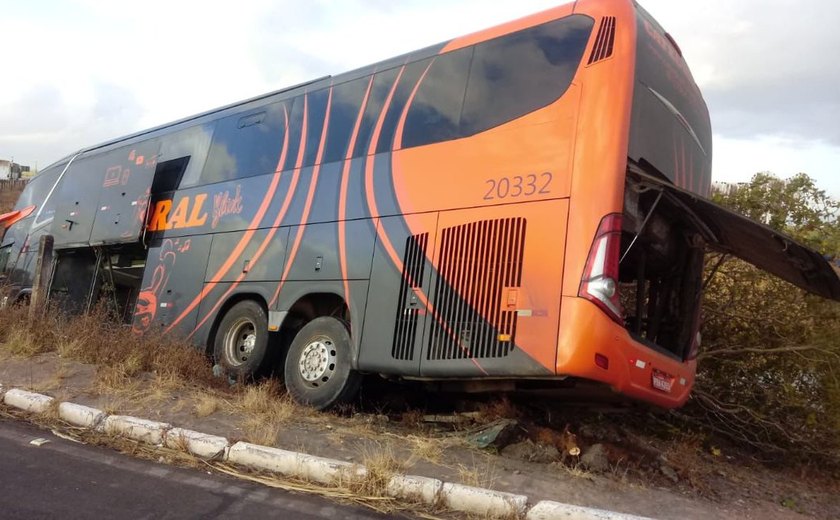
{"x": 518, "y": 186}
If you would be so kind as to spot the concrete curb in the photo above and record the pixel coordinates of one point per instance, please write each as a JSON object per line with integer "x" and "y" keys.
{"x": 483, "y": 502}
{"x": 421, "y": 490}
{"x": 150, "y": 432}
{"x": 411, "y": 488}
{"x": 79, "y": 415}
{"x": 293, "y": 464}
{"x": 548, "y": 510}
{"x": 211, "y": 447}
{"x": 27, "y": 401}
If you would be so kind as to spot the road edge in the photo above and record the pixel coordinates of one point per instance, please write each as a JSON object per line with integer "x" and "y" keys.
{"x": 427, "y": 491}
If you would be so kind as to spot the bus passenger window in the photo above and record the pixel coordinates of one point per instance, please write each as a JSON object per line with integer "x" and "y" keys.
{"x": 193, "y": 142}
{"x": 435, "y": 114}
{"x": 245, "y": 145}
{"x": 316, "y": 118}
{"x": 522, "y": 72}
{"x": 411, "y": 74}
{"x": 382, "y": 83}
{"x": 346, "y": 103}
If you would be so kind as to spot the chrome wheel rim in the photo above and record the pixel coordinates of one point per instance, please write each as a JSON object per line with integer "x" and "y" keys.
{"x": 240, "y": 340}
{"x": 317, "y": 362}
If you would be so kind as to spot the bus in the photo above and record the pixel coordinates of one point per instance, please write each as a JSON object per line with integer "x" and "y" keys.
{"x": 524, "y": 206}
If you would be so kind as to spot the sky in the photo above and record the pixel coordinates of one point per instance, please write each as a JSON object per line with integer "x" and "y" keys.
{"x": 78, "y": 72}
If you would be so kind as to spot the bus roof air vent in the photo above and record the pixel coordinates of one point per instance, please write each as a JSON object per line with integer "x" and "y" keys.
{"x": 604, "y": 41}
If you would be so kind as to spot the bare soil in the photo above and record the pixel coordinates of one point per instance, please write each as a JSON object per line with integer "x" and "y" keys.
{"x": 546, "y": 452}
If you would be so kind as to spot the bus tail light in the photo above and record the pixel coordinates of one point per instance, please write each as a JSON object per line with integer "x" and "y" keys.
{"x": 600, "y": 277}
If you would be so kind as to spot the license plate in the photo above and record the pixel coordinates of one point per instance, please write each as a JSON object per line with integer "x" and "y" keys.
{"x": 662, "y": 381}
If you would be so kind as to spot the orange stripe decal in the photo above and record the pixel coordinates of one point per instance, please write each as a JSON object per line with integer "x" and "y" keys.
{"x": 401, "y": 124}
{"x": 237, "y": 251}
{"x": 308, "y": 204}
{"x": 342, "y": 193}
{"x": 374, "y": 212}
{"x": 271, "y": 233}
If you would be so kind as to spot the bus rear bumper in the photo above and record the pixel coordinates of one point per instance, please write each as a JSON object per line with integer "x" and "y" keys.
{"x": 592, "y": 346}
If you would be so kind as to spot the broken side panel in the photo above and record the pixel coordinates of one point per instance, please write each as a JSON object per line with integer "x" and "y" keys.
{"x": 101, "y": 196}
{"x": 126, "y": 176}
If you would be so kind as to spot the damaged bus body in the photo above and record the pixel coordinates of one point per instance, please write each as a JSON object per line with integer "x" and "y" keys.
{"x": 523, "y": 205}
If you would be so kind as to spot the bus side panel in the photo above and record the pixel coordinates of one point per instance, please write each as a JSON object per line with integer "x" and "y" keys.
{"x": 317, "y": 256}
{"x": 23, "y": 274}
{"x": 326, "y": 192}
{"x": 527, "y": 159}
{"x": 222, "y": 207}
{"x": 20, "y": 255}
{"x": 399, "y": 288}
{"x": 262, "y": 257}
{"x": 173, "y": 277}
{"x": 495, "y": 305}
{"x": 76, "y": 206}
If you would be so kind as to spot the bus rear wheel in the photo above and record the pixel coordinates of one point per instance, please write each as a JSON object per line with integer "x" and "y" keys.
{"x": 318, "y": 370}
{"x": 241, "y": 342}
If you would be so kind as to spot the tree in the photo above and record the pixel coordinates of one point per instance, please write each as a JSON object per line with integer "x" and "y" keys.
{"x": 769, "y": 372}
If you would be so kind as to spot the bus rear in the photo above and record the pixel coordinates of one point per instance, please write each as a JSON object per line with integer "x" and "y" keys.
{"x": 630, "y": 315}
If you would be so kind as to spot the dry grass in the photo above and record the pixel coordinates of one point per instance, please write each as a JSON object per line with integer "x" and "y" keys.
{"x": 266, "y": 408}
{"x": 19, "y": 342}
{"x": 482, "y": 475}
{"x": 142, "y": 372}
{"x": 381, "y": 464}
{"x": 94, "y": 338}
{"x": 426, "y": 448}
{"x": 206, "y": 405}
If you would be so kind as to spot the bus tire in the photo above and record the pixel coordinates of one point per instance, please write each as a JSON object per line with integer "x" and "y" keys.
{"x": 241, "y": 342}
{"x": 318, "y": 370}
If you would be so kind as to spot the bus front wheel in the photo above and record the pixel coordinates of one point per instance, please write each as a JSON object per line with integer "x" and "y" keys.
{"x": 318, "y": 369}
{"x": 241, "y": 342}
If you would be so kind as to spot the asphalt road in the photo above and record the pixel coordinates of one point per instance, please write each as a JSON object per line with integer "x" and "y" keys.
{"x": 63, "y": 479}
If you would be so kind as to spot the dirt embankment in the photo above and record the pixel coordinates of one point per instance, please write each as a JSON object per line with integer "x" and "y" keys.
{"x": 628, "y": 459}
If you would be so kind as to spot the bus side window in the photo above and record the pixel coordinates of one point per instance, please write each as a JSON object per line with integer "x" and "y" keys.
{"x": 193, "y": 142}
{"x": 382, "y": 83}
{"x": 346, "y": 102}
{"x": 522, "y": 72}
{"x": 245, "y": 145}
{"x": 435, "y": 114}
{"x": 316, "y": 118}
{"x": 411, "y": 74}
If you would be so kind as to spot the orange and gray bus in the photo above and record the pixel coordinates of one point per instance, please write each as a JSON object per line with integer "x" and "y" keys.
{"x": 526, "y": 205}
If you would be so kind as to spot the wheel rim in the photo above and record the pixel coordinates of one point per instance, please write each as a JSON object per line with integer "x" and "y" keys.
{"x": 240, "y": 340}
{"x": 317, "y": 362}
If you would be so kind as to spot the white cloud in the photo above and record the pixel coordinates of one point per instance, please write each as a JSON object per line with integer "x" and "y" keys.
{"x": 94, "y": 69}
{"x": 737, "y": 160}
